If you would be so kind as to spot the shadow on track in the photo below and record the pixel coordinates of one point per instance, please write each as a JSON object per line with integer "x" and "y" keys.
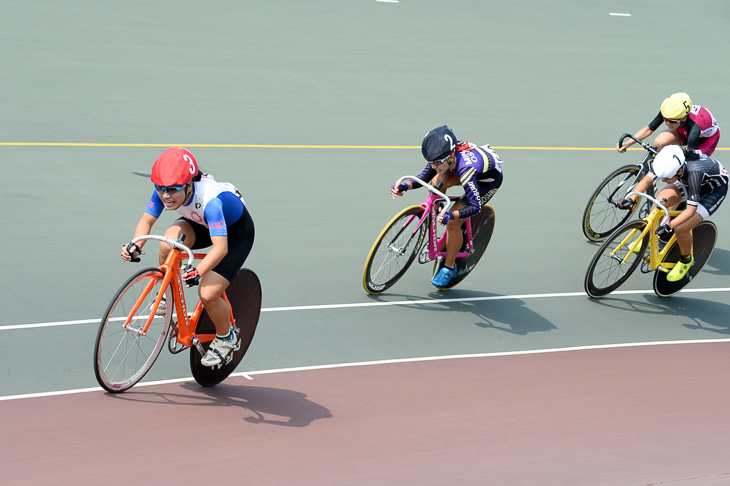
{"x": 508, "y": 315}
{"x": 271, "y": 406}
{"x": 704, "y": 315}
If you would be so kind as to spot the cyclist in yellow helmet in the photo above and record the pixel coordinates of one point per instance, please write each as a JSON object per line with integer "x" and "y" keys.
{"x": 693, "y": 126}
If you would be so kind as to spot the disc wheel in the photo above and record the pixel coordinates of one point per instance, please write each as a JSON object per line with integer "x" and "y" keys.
{"x": 394, "y": 250}
{"x": 601, "y": 216}
{"x": 607, "y": 270}
{"x": 123, "y": 354}
{"x": 244, "y": 294}
{"x": 482, "y": 228}
{"x": 704, "y": 238}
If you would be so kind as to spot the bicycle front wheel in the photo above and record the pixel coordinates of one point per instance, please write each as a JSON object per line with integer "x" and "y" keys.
{"x": 123, "y": 354}
{"x": 607, "y": 271}
{"x": 601, "y": 216}
{"x": 394, "y": 250}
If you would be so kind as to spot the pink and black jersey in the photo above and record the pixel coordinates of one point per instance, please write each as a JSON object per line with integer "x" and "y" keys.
{"x": 700, "y": 131}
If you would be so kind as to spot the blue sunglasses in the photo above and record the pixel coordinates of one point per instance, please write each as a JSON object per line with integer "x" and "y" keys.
{"x": 169, "y": 188}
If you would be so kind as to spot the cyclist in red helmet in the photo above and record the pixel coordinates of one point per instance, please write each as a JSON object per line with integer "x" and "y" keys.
{"x": 212, "y": 214}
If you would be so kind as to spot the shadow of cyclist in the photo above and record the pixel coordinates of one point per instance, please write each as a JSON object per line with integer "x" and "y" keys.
{"x": 719, "y": 263}
{"x": 273, "y": 406}
{"x": 493, "y": 311}
{"x": 705, "y": 315}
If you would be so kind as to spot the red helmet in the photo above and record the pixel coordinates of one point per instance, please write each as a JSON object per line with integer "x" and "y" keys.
{"x": 175, "y": 167}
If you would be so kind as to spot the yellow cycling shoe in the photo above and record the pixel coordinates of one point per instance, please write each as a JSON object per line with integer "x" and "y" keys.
{"x": 680, "y": 270}
{"x": 637, "y": 245}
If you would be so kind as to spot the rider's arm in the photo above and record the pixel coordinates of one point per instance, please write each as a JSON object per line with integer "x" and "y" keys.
{"x": 215, "y": 254}
{"x": 643, "y": 185}
{"x": 214, "y": 216}
{"x": 426, "y": 176}
{"x": 693, "y": 134}
{"x": 643, "y": 133}
{"x": 683, "y": 216}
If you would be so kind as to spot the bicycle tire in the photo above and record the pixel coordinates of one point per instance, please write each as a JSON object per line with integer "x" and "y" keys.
{"x": 122, "y": 357}
{"x": 244, "y": 294}
{"x": 704, "y": 238}
{"x": 606, "y": 272}
{"x": 601, "y": 216}
{"x": 482, "y": 228}
{"x": 385, "y": 265}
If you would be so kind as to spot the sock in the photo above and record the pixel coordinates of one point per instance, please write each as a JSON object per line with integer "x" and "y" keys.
{"x": 686, "y": 259}
{"x": 227, "y": 337}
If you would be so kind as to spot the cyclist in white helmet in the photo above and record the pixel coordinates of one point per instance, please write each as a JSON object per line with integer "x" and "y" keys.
{"x": 692, "y": 177}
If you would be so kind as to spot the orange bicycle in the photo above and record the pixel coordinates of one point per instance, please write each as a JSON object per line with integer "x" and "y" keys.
{"x": 134, "y": 328}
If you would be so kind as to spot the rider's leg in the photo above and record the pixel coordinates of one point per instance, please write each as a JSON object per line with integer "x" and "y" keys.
{"x": 667, "y": 137}
{"x": 454, "y": 237}
{"x": 684, "y": 238}
{"x": 210, "y": 291}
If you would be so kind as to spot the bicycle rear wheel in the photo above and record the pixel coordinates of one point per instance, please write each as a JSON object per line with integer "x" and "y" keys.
{"x": 394, "y": 250}
{"x": 244, "y": 294}
{"x": 704, "y": 238}
{"x": 606, "y": 271}
{"x": 601, "y": 216}
{"x": 482, "y": 227}
{"x": 123, "y": 354}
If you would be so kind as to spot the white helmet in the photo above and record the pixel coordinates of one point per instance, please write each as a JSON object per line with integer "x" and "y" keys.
{"x": 668, "y": 162}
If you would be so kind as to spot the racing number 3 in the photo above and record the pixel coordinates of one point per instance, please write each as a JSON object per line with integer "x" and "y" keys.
{"x": 189, "y": 160}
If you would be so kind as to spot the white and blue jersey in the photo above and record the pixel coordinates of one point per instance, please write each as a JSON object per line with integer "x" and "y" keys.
{"x": 216, "y": 205}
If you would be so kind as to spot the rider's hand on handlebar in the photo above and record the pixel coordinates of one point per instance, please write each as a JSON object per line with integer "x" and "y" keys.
{"x": 192, "y": 277}
{"x": 131, "y": 252}
{"x": 664, "y": 232}
{"x": 621, "y": 148}
{"x": 398, "y": 191}
{"x": 445, "y": 217}
{"x": 626, "y": 203}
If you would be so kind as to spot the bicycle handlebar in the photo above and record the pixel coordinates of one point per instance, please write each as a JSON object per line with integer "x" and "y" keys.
{"x": 657, "y": 202}
{"x": 429, "y": 187}
{"x": 170, "y": 241}
{"x": 648, "y": 147}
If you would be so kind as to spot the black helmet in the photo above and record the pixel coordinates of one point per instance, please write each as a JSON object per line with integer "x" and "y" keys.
{"x": 438, "y": 143}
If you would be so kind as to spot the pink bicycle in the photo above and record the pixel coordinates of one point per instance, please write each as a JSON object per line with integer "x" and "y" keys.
{"x": 404, "y": 238}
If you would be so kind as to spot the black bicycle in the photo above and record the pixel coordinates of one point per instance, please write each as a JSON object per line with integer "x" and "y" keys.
{"x": 602, "y": 216}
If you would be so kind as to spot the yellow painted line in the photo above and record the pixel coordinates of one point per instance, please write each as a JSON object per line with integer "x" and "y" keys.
{"x": 232, "y": 145}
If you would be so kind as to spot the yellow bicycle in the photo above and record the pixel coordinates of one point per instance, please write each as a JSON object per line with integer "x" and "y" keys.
{"x": 623, "y": 252}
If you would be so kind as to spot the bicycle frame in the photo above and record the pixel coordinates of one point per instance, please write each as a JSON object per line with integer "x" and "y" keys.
{"x": 431, "y": 209}
{"x": 655, "y": 256}
{"x": 172, "y": 276}
{"x": 644, "y": 167}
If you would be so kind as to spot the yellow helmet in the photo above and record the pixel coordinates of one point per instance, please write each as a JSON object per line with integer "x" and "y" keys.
{"x": 676, "y": 106}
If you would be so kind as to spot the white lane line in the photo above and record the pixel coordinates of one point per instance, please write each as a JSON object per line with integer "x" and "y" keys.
{"x": 249, "y": 374}
{"x": 380, "y": 304}
{"x": 387, "y": 1}
{"x": 619, "y": 14}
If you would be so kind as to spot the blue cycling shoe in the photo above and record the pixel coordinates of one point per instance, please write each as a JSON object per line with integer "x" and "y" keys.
{"x": 444, "y": 276}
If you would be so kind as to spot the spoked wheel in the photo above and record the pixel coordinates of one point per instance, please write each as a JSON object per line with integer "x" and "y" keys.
{"x": 244, "y": 294}
{"x": 704, "y": 237}
{"x": 394, "y": 250}
{"x": 482, "y": 227}
{"x": 601, "y": 216}
{"x": 607, "y": 271}
{"x": 123, "y": 354}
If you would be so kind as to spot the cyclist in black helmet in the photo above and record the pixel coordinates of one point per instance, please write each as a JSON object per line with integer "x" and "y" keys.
{"x": 478, "y": 169}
